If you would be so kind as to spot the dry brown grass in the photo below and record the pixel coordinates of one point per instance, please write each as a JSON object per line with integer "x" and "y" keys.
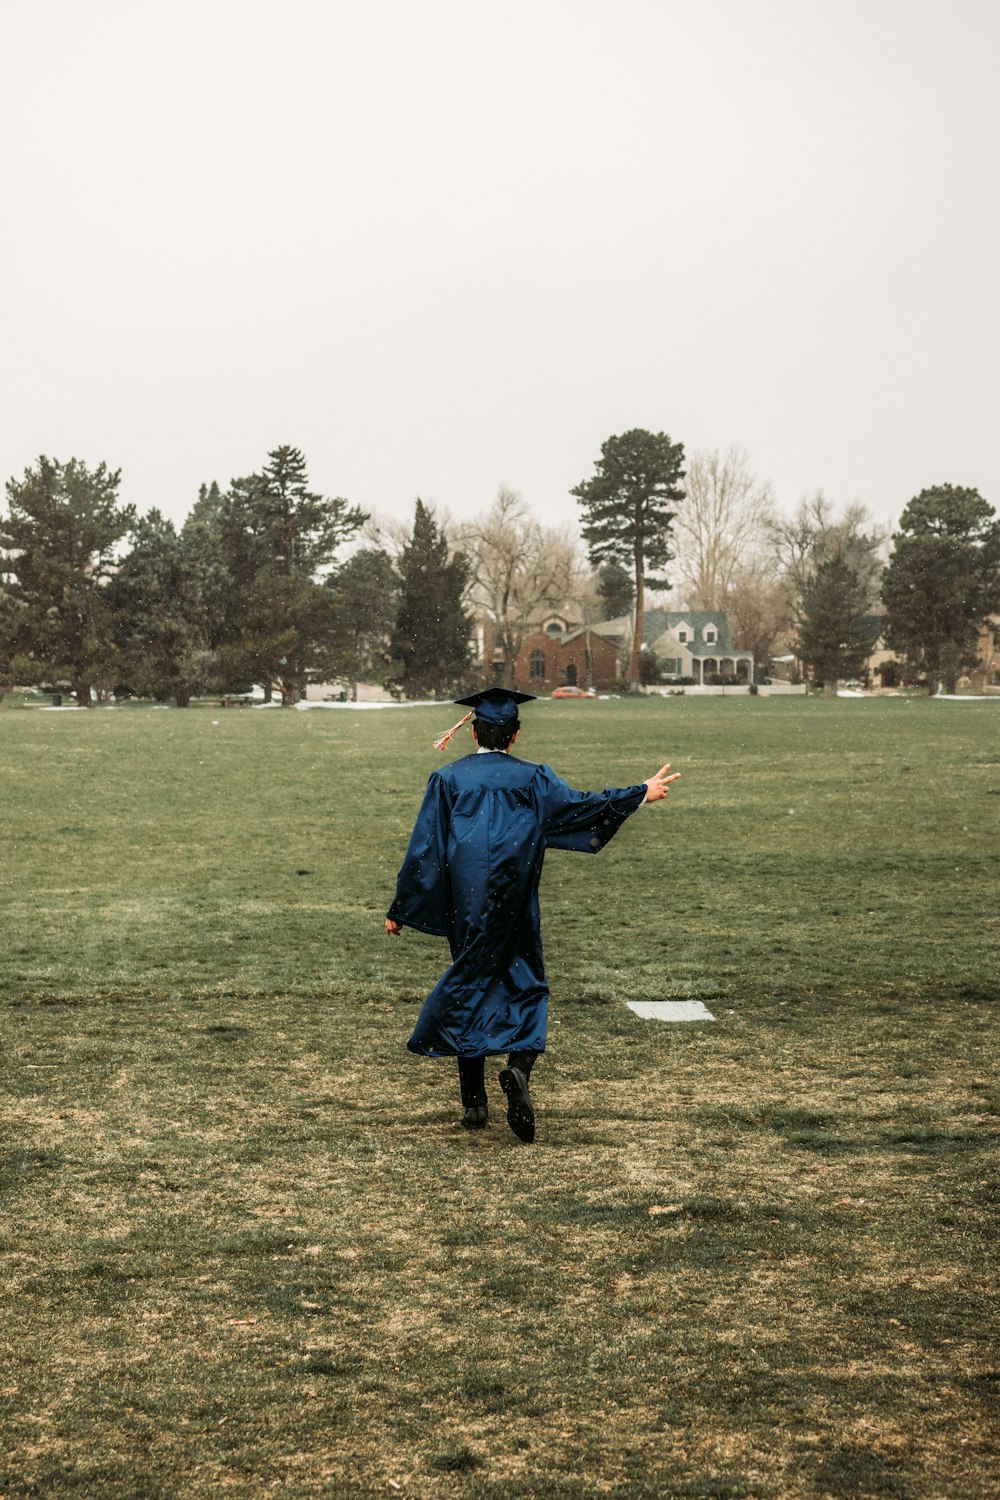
{"x": 248, "y": 1249}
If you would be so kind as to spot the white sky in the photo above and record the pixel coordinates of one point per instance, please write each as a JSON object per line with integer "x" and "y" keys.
{"x": 440, "y": 244}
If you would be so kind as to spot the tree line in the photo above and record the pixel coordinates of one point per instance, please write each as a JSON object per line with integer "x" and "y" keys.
{"x": 251, "y": 589}
{"x": 270, "y": 582}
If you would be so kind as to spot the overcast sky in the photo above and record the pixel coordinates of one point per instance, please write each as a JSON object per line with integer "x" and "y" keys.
{"x": 442, "y": 244}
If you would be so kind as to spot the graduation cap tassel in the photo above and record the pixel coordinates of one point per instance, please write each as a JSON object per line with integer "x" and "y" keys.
{"x": 446, "y": 738}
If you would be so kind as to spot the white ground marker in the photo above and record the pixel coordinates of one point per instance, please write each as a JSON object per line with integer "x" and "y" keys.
{"x": 670, "y": 1010}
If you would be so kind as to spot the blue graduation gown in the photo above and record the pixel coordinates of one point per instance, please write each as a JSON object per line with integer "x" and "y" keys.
{"x": 471, "y": 874}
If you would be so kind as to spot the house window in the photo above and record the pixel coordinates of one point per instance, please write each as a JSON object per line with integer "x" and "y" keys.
{"x": 710, "y": 637}
{"x": 537, "y": 665}
{"x": 682, "y": 635}
{"x": 571, "y": 674}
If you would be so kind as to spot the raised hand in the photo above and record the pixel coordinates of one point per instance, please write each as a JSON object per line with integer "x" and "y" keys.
{"x": 658, "y": 785}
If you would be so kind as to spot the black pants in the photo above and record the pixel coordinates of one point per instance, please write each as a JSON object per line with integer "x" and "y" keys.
{"x": 472, "y": 1075}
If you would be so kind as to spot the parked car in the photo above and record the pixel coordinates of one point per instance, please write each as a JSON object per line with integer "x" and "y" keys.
{"x": 573, "y": 692}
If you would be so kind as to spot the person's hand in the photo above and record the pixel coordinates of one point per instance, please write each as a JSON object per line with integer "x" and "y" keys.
{"x": 658, "y": 785}
{"x": 392, "y": 929}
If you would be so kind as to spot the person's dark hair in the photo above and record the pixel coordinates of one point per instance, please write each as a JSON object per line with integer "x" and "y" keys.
{"x": 492, "y": 736}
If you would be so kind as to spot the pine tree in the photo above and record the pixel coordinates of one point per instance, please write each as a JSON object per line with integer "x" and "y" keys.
{"x": 159, "y": 621}
{"x": 617, "y": 591}
{"x": 431, "y": 638}
{"x": 627, "y": 509}
{"x": 208, "y": 581}
{"x": 276, "y": 538}
{"x": 273, "y": 522}
{"x": 836, "y": 632}
{"x": 365, "y": 589}
{"x": 287, "y": 635}
{"x": 57, "y": 624}
{"x": 942, "y": 580}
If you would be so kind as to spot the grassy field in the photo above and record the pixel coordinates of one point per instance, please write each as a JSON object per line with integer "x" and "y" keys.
{"x": 247, "y": 1249}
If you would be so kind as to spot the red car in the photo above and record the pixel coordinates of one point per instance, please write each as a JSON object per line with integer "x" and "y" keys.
{"x": 573, "y": 692}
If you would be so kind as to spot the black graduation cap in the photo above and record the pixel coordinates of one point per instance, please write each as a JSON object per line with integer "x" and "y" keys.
{"x": 491, "y": 706}
{"x": 496, "y": 705}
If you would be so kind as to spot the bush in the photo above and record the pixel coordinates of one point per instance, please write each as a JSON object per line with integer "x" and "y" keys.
{"x": 649, "y": 670}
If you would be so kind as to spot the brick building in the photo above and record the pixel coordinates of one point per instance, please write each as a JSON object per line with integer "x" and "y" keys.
{"x": 582, "y": 658}
{"x": 561, "y": 652}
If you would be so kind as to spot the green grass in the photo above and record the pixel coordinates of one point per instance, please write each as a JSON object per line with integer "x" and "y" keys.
{"x": 246, "y": 1246}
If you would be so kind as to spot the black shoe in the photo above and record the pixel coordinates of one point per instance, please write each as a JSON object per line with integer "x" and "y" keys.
{"x": 475, "y": 1116}
{"x": 520, "y": 1114}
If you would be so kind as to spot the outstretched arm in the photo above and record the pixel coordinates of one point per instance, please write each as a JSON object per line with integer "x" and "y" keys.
{"x": 583, "y": 822}
{"x": 657, "y": 786}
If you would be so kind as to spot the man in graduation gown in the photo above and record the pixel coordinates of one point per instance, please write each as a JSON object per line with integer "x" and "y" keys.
{"x": 471, "y": 874}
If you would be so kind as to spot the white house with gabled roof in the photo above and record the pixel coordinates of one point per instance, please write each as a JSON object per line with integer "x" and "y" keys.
{"x": 690, "y": 643}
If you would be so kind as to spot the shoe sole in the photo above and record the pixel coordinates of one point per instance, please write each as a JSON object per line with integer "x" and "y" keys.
{"x": 520, "y": 1115}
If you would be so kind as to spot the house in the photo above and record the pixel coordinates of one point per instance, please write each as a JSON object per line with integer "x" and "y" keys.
{"x": 883, "y": 669}
{"x": 562, "y": 652}
{"x": 538, "y": 654}
{"x": 557, "y": 650}
{"x": 989, "y": 652}
{"x": 594, "y": 657}
{"x": 591, "y": 656}
{"x": 695, "y": 643}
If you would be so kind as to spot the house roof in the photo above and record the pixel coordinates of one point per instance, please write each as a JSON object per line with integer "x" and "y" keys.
{"x": 658, "y": 622}
{"x": 619, "y": 626}
{"x": 614, "y": 631}
{"x": 658, "y": 626}
{"x": 668, "y": 645}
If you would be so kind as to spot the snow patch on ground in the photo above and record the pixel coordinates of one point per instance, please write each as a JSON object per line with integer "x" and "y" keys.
{"x": 416, "y": 703}
{"x": 670, "y": 1010}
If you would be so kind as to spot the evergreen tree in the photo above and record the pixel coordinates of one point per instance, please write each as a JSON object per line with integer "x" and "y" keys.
{"x": 287, "y": 636}
{"x": 276, "y": 537}
{"x": 815, "y": 533}
{"x": 627, "y": 507}
{"x": 942, "y": 580}
{"x": 207, "y": 578}
{"x": 365, "y": 589}
{"x": 207, "y": 509}
{"x": 59, "y": 536}
{"x": 617, "y": 591}
{"x": 159, "y": 617}
{"x": 836, "y": 633}
{"x": 272, "y": 522}
{"x": 431, "y": 638}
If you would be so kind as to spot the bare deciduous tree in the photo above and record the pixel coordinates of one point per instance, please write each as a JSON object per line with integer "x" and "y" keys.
{"x": 756, "y": 603}
{"x": 720, "y": 525}
{"x": 519, "y": 570}
{"x": 815, "y": 535}
{"x": 392, "y": 534}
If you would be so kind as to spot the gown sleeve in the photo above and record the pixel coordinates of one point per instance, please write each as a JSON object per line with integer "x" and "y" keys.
{"x": 422, "y": 897}
{"x": 583, "y": 821}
